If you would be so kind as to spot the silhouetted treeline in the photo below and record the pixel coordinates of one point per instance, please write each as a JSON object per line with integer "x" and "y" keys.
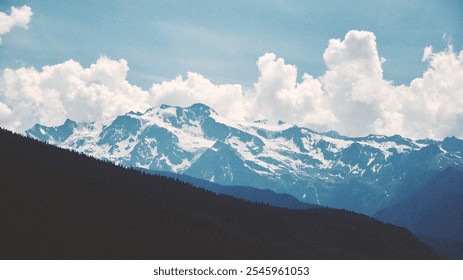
{"x": 252, "y": 194}
{"x": 56, "y": 204}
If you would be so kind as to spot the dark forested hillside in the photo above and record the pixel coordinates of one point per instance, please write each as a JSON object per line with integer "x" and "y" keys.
{"x": 55, "y": 204}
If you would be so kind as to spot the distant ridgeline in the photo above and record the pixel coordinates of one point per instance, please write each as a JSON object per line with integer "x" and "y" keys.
{"x": 58, "y": 204}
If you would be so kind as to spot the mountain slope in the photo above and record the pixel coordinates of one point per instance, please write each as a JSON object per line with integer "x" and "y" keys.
{"x": 243, "y": 192}
{"x": 362, "y": 174}
{"x": 435, "y": 211}
{"x": 56, "y": 204}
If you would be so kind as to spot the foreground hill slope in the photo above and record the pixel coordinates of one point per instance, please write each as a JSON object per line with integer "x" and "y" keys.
{"x": 57, "y": 204}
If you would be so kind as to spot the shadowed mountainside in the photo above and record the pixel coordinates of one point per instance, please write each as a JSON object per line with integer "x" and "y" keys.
{"x": 434, "y": 212}
{"x": 242, "y": 192}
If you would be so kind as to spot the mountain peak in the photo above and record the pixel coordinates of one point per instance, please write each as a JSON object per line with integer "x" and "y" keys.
{"x": 200, "y": 107}
{"x": 197, "y": 111}
{"x": 333, "y": 134}
{"x": 133, "y": 113}
{"x": 69, "y": 122}
{"x": 452, "y": 145}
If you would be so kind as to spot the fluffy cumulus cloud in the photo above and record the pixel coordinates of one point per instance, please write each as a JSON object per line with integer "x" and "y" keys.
{"x": 433, "y": 104}
{"x": 278, "y": 96}
{"x": 67, "y": 90}
{"x": 351, "y": 97}
{"x": 18, "y": 17}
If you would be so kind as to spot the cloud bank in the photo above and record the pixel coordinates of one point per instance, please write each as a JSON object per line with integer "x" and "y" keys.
{"x": 67, "y": 90}
{"x": 19, "y": 17}
{"x": 351, "y": 97}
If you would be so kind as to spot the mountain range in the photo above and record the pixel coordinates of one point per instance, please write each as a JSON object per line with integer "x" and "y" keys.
{"x": 362, "y": 174}
{"x": 59, "y": 204}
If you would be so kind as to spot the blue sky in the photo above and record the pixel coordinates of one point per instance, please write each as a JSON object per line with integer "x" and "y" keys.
{"x": 357, "y": 67}
{"x": 223, "y": 39}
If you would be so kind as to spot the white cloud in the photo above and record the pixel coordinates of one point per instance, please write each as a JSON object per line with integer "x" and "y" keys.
{"x": 427, "y": 53}
{"x": 278, "y": 96}
{"x": 434, "y": 102}
{"x": 67, "y": 90}
{"x": 19, "y": 17}
{"x": 351, "y": 97}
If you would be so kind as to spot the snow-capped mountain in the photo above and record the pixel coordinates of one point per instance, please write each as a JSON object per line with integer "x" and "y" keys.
{"x": 361, "y": 174}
